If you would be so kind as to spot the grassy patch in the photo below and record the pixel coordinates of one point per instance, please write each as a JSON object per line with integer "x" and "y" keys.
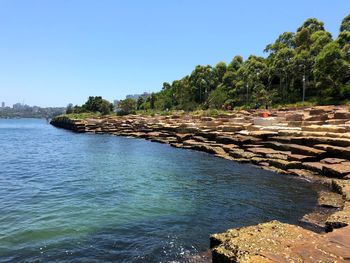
{"x": 80, "y": 116}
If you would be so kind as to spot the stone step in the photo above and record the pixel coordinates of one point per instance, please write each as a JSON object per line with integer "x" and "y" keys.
{"x": 291, "y": 133}
{"x": 325, "y": 128}
{"x": 335, "y": 151}
{"x": 342, "y": 115}
{"x": 336, "y": 121}
{"x": 333, "y": 170}
{"x": 311, "y": 141}
{"x": 338, "y": 170}
{"x": 284, "y": 165}
{"x": 295, "y": 148}
{"x": 237, "y": 139}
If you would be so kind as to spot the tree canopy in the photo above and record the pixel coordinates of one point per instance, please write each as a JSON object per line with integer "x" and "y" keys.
{"x": 93, "y": 104}
{"x": 307, "y": 58}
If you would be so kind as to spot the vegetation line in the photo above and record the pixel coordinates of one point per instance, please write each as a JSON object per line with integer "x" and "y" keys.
{"x": 306, "y": 65}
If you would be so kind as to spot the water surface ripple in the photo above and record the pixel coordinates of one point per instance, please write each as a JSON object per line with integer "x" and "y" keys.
{"x": 67, "y": 197}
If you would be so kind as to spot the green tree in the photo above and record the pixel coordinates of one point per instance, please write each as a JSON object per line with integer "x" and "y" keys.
{"x": 220, "y": 70}
{"x": 152, "y": 100}
{"x": 331, "y": 71}
{"x": 98, "y": 104}
{"x": 140, "y": 102}
{"x": 313, "y": 25}
{"x": 217, "y": 98}
{"x": 236, "y": 63}
{"x": 231, "y": 78}
{"x": 127, "y": 106}
{"x": 345, "y": 24}
{"x": 253, "y": 74}
{"x": 69, "y": 108}
{"x": 202, "y": 80}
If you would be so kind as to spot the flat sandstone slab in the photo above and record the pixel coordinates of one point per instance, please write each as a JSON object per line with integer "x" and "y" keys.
{"x": 279, "y": 242}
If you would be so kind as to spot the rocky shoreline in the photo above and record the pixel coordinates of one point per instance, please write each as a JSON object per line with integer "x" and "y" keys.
{"x": 312, "y": 143}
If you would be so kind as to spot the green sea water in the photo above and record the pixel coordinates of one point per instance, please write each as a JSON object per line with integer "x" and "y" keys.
{"x": 67, "y": 197}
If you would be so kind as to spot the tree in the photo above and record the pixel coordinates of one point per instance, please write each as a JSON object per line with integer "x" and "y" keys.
{"x": 331, "y": 70}
{"x": 345, "y": 24}
{"x": 202, "y": 80}
{"x": 98, "y": 104}
{"x": 220, "y": 70}
{"x": 152, "y": 100}
{"x": 307, "y": 58}
{"x": 166, "y": 86}
{"x": 236, "y": 63}
{"x": 313, "y": 25}
{"x": 127, "y": 106}
{"x": 285, "y": 40}
{"x": 264, "y": 96}
{"x": 303, "y": 40}
{"x": 318, "y": 40}
{"x": 139, "y": 103}
{"x": 253, "y": 73}
{"x": 69, "y": 108}
{"x": 344, "y": 43}
{"x": 217, "y": 98}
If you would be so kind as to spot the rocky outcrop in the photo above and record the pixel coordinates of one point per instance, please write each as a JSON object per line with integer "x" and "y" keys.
{"x": 313, "y": 143}
{"x": 69, "y": 124}
{"x": 278, "y": 242}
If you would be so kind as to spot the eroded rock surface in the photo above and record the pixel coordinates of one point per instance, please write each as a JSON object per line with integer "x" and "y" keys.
{"x": 278, "y": 242}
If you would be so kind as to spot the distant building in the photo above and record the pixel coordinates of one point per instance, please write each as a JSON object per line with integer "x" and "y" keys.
{"x": 2, "y": 104}
{"x": 17, "y": 106}
{"x": 145, "y": 95}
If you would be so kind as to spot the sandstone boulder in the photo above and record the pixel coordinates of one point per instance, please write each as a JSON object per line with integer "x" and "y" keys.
{"x": 278, "y": 242}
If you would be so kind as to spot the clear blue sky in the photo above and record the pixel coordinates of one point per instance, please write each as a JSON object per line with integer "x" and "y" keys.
{"x": 53, "y": 52}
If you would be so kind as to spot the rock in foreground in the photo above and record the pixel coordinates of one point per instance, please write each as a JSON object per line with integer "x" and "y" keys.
{"x": 279, "y": 242}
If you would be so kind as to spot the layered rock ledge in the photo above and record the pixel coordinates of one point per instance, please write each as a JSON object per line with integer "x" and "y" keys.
{"x": 312, "y": 143}
{"x": 277, "y": 242}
